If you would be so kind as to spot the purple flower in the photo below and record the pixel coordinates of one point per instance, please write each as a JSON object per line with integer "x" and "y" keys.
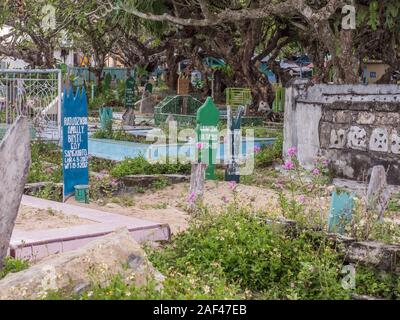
{"x": 257, "y": 149}
{"x": 292, "y": 151}
{"x": 232, "y": 184}
{"x": 302, "y": 199}
{"x": 289, "y": 165}
{"x": 325, "y": 163}
{"x": 316, "y": 171}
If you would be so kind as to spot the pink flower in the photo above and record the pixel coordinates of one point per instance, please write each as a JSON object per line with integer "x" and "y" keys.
{"x": 316, "y": 171}
{"x": 114, "y": 182}
{"x": 279, "y": 185}
{"x": 289, "y": 165}
{"x": 49, "y": 170}
{"x": 224, "y": 199}
{"x": 192, "y": 198}
{"x": 325, "y": 163}
{"x": 232, "y": 184}
{"x": 199, "y": 145}
{"x": 292, "y": 151}
{"x": 257, "y": 149}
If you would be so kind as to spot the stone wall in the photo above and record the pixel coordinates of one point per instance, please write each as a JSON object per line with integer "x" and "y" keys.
{"x": 356, "y": 127}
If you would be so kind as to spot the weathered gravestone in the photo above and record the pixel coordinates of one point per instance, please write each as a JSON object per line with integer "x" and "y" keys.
{"x": 15, "y": 156}
{"x": 207, "y": 136}
{"x": 378, "y": 194}
{"x": 341, "y": 212}
{"x": 75, "y": 141}
{"x": 129, "y": 115}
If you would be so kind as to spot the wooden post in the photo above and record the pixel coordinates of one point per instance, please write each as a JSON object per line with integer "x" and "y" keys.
{"x": 15, "y": 157}
{"x": 196, "y": 190}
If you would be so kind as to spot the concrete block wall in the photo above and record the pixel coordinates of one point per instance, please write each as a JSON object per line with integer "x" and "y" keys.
{"x": 355, "y": 127}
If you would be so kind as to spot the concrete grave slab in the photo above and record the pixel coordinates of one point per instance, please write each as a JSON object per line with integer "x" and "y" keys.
{"x": 37, "y": 244}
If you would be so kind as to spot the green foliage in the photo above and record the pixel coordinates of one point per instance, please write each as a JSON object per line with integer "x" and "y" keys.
{"x": 140, "y": 165}
{"x": 101, "y": 165}
{"x": 12, "y": 265}
{"x": 243, "y": 249}
{"x": 375, "y": 283}
{"x": 269, "y": 154}
{"x": 46, "y": 163}
{"x": 50, "y": 192}
{"x": 102, "y": 187}
{"x": 237, "y": 255}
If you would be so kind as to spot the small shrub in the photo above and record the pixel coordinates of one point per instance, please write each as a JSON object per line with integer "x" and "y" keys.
{"x": 139, "y": 165}
{"x": 269, "y": 154}
{"x": 50, "y": 192}
{"x": 12, "y": 265}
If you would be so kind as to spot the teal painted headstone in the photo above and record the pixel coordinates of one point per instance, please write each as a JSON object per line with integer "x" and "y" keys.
{"x": 74, "y": 140}
{"x": 341, "y": 212}
{"x": 106, "y": 115}
{"x": 207, "y": 135}
{"x": 130, "y": 92}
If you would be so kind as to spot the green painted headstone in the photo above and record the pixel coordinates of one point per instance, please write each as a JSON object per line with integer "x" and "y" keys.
{"x": 207, "y": 135}
{"x": 130, "y": 92}
{"x": 341, "y": 211}
{"x": 148, "y": 87}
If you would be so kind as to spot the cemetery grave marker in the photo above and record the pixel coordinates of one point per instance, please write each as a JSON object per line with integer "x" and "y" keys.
{"x": 106, "y": 116}
{"x": 183, "y": 85}
{"x": 15, "y": 156}
{"x": 130, "y": 84}
{"x": 232, "y": 170}
{"x": 341, "y": 211}
{"x": 129, "y": 115}
{"x": 148, "y": 87}
{"x": 207, "y": 135}
{"x": 75, "y": 141}
{"x": 378, "y": 194}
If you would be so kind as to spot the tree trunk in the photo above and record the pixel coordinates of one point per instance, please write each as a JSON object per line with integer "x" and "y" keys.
{"x": 172, "y": 74}
{"x": 346, "y": 65}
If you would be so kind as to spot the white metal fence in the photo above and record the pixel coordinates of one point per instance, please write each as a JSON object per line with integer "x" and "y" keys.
{"x": 35, "y": 94}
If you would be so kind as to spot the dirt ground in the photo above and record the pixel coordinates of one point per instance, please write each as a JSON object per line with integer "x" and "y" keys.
{"x": 168, "y": 205}
{"x": 30, "y": 219}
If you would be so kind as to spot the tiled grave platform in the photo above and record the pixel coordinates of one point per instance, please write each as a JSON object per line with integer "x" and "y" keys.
{"x": 41, "y": 243}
